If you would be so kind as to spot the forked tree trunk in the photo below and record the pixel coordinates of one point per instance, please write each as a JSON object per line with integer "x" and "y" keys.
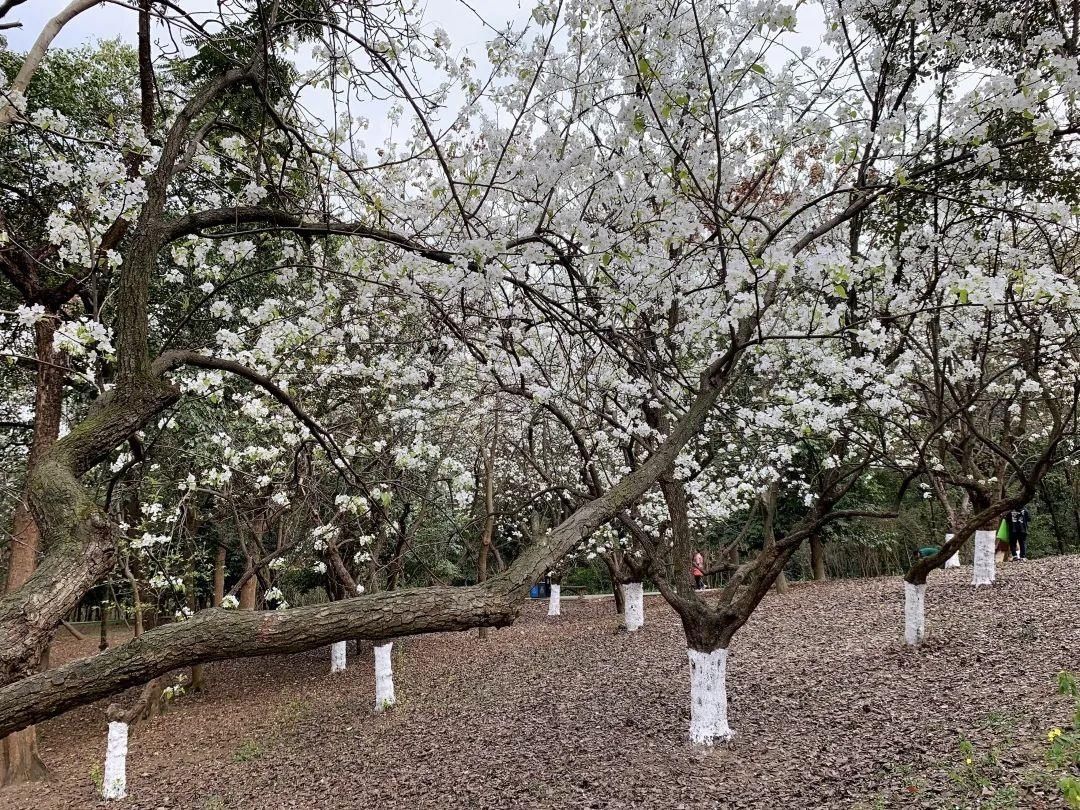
{"x": 19, "y": 760}
{"x": 709, "y": 630}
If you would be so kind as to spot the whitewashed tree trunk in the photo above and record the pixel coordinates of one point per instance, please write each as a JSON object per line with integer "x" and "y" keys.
{"x": 114, "y": 781}
{"x": 954, "y": 560}
{"x": 985, "y": 569}
{"x": 337, "y": 656}
{"x": 914, "y": 613}
{"x": 384, "y": 677}
{"x": 553, "y": 601}
{"x": 708, "y": 697}
{"x": 634, "y": 605}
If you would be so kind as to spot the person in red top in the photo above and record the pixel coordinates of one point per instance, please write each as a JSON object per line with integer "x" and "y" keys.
{"x": 698, "y": 571}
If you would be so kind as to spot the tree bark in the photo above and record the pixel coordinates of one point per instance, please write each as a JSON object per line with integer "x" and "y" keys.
{"x": 191, "y": 530}
{"x": 769, "y": 535}
{"x": 219, "y": 575}
{"x": 19, "y": 760}
{"x": 817, "y": 556}
{"x": 674, "y": 492}
{"x": 489, "y": 514}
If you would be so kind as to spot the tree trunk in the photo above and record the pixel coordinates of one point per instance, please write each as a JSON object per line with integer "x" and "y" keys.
{"x": 384, "y": 677}
{"x": 489, "y": 514}
{"x": 555, "y": 600}
{"x": 620, "y": 600}
{"x": 708, "y": 697}
{"x": 337, "y": 656}
{"x": 634, "y": 616}
{"x": 984, "y": 565}
{"x": 914, "y": 613}
{"x": 674, "y": 492}
{"x": 1058, "y": 535}
{"x": 1074, "y": 499}
{"x": 191, "y": 530}
{"x": 219, "y": 575}
{"x": 114, "y": 777}
{"x": 769, "y": 535}
{"x": 19, "y": 760}
{"x": 817, "y": 556}
{"x": 249, "y": 590}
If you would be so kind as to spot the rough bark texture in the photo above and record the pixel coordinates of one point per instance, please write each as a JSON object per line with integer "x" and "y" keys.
{"x": 19, "y": 759}
{"x": 219, "y": 576}
{"x": 216, "y": 634}
{"x": 248, "y": 592}
{"x": 77, "y": 532}
{"x": 817, "y": 556}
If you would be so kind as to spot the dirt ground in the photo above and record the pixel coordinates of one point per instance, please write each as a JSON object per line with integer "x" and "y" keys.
{"x": 829, "y": 708}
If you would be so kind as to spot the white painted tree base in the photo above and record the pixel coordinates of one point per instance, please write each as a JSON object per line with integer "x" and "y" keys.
{"x": 553, "y": 601}
{"x": 914, "y": 613}
{"x": 337, "y": 656}
{"x": 384, "y": 677}
{"x": 954, "y": 560}
{"x": 634, "y": 605}
{"x": 984, "y": 565}
{"x": 708, "y": 697}
{"x": 114, "y": 781}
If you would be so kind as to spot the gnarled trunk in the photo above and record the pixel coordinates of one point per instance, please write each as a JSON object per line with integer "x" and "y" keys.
{"x": 19, "y": 759}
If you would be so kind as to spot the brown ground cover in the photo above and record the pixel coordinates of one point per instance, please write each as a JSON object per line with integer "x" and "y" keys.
{"x": 829, "y": 708}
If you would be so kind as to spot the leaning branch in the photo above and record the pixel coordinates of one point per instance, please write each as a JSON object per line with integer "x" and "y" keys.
{"x": 9, "y": 112}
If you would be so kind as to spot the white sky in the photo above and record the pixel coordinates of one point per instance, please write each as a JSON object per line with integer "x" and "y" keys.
{"x": 463, "y": 21}
{"x": 113, "y": 19}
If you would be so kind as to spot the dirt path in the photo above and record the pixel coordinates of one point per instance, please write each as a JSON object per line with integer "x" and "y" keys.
{"x": 829, "y": 708}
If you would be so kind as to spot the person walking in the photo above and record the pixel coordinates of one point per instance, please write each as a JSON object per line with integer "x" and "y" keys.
{"x": 698, "y": 571}
{"x": 1019, "y": 520}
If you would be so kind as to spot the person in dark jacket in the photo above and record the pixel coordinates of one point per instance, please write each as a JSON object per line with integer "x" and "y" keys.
{"x": 1019, "y": 520}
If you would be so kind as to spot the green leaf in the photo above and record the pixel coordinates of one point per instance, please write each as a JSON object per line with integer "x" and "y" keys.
{"x": 758, "y": 69}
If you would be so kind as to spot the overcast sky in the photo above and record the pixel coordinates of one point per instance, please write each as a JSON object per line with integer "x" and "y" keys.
{"x": 463, "y": 21}
{"x": 113, "y": 19}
